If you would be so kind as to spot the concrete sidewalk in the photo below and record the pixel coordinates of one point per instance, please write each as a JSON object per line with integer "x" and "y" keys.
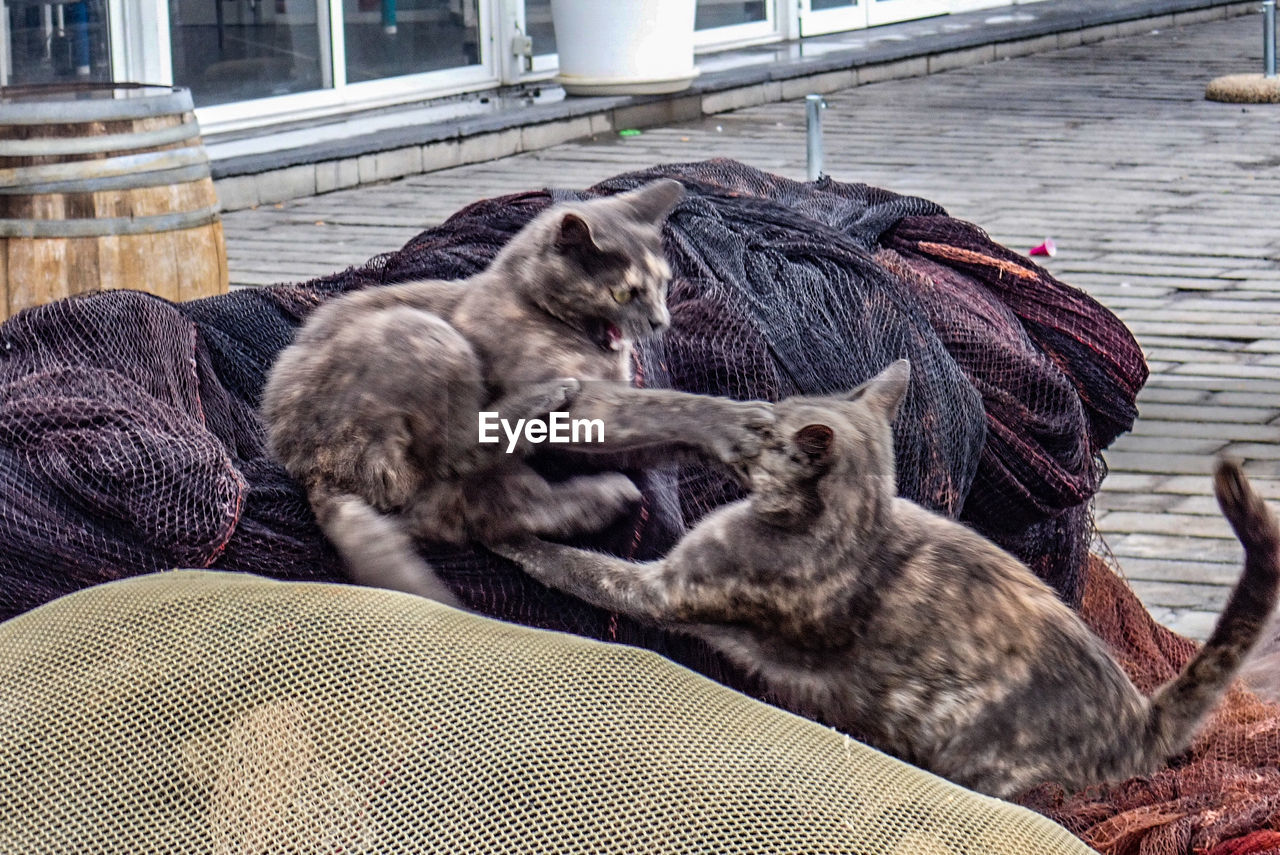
{"x": 1163, "y": 207}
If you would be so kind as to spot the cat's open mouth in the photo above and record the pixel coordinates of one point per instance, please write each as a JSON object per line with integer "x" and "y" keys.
{"x": 608, "y": 336}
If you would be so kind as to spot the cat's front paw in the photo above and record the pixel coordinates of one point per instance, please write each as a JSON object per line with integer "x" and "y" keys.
{"x": 535, "y": 400}
{"x": 596, "y": 501}
{"x": 739, "y": 433}
{"x": 558, "y": 394}
{"x": 580, "y": 505}
{"x": 615, "y": 494}
{"x": 519, "y": 548}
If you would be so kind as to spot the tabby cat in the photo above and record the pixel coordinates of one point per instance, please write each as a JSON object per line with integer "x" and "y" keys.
{"x": 375, "y": 406}
{"x": 887, "y": 621}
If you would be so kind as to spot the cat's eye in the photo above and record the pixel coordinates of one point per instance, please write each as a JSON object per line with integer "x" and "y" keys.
{"x": 624, "y": 295}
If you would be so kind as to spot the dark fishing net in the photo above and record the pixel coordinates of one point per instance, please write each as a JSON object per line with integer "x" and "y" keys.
{"x": 129, "y": 439}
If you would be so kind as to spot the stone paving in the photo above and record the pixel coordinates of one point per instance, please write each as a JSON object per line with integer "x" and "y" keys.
{"x": 1163, "y": 207}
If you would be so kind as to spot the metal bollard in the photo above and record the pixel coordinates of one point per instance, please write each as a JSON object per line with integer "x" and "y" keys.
{"x": 814, "y": 105}
{"x": 1269, "y": 38}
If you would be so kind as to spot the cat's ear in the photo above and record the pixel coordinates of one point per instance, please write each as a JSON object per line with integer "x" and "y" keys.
{"x": 573, "y": 233}
{"x": 654, "y": 201}
{"x": 815, "y": 441}
{"x": 885, "y": 391}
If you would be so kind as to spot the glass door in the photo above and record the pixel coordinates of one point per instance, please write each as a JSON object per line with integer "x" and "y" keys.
{"x": 393, "y": 38}
{"x": 53, "y": 41}
{"x": 538, "y": 27}
{"x": 889, "y": 11}
{"x": 254, "y": 62}
{"x": 831, "y": 16}
{"x": 525, "y": 41}
{"x": 729, "y": 22}
{"x": 241, "y": 50}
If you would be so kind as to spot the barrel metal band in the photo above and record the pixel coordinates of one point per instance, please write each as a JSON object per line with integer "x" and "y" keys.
{"x": 79, "y": 170}
{"x": 108, "y": 226}
{"x": 75, "y": 111}
{"x": 52, "y": 147}
{"x": 132, "y": 181}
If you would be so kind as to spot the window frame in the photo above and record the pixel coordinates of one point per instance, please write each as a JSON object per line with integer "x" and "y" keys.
{"x": 141, "y": 50}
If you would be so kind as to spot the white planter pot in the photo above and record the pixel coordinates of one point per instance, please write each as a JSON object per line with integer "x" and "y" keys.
{"x": 624, "y": 47}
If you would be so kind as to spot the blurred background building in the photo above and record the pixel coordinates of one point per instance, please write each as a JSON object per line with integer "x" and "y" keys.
{"x": 252, "y": 63}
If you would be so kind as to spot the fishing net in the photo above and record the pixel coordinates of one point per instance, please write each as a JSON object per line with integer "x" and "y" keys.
{"x": 1221, "y": 797}
{"x": 220, "y": 713}
{"x": 129, "y": 439}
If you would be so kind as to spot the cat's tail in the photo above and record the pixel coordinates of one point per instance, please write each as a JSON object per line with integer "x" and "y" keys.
{"x": 1178, "y": 707}
{"x": 377, "y": 551}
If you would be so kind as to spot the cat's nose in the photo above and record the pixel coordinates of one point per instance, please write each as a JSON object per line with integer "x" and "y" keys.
{"x": 660, "y": 320}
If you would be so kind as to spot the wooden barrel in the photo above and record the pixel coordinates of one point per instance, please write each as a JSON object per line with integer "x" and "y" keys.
{"x": 104, "y": 186}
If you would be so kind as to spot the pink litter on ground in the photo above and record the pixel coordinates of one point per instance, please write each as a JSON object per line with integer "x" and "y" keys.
{"x": 1048, "y": 248}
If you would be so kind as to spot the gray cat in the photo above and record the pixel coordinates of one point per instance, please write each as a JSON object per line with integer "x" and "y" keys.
{"x": 887, "y": 621}
{"x": 374, "y": 408}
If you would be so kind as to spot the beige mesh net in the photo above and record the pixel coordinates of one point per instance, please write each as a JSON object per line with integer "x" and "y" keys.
{"x": 211, "y": 712}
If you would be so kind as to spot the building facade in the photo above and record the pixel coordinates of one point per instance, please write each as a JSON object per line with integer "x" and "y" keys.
{"x": 258, "y": 62}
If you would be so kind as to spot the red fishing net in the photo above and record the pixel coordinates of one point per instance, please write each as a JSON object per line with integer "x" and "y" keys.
{"x": 1221, "y": 797}
{"x": 130, "y": 442}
